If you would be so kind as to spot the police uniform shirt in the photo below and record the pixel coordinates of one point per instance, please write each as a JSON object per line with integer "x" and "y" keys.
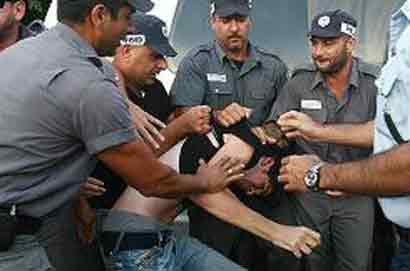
{"x": 307, "y": 92}
{"x": 55, "y": 120}
{"x": 394, "y": 99}
{"x": 207, "y": 76}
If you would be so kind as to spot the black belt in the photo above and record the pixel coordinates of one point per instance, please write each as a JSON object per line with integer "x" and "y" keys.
{"x": 404, "y": 233}
{"x": 133, "y": 240}
{"x": 25, "y": 225}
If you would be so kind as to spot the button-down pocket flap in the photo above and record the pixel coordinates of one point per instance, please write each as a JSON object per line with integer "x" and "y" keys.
{"x": 216, "y": 88}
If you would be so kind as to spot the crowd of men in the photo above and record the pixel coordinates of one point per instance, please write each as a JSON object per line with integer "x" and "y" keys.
{"x": 82, "y": 185}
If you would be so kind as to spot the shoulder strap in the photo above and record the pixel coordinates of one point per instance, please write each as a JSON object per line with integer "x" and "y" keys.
{"x": 393, "y": 129}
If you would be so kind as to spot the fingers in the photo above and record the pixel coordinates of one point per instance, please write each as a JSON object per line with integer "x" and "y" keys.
{"x": 95, "y": 181}
{"x": 154, "y": 131}
{"x": 93, "y": 187}
{"x": 155, "y": 121}
{"x": 232, "y": 114}
{"x": 147, "y": 137}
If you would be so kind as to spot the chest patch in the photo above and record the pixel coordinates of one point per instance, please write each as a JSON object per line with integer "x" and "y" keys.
{"x": 311, "y": 104}
{"x": 215, "y": 77}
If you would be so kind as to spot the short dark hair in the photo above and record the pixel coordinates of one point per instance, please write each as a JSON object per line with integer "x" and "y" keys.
{"x": 75, "y": 11}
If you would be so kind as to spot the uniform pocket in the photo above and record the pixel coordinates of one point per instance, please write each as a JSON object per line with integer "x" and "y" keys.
{"x": 219, "y": 95}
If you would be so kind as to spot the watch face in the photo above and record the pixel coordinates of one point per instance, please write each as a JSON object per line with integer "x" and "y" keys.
{"x": 311, "y": 179}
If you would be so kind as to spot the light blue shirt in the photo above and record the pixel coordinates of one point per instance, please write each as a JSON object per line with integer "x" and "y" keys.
{"x": 394, "y": 98}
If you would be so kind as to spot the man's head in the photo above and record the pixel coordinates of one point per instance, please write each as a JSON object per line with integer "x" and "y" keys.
{"x": 11, "y": 14}
{"x": 333, "y": 39}
{"x": 142, "y": 53}
{"x": 231, "y": 23}
{"x": 104, "y": 22}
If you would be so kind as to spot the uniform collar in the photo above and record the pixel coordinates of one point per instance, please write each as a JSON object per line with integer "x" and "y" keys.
{"x": 24, "y": 32}
{"x": 404, "y": 10}
{"x": 75, "y": 40}
{"x": 253, "y": 55}
{"x": 353, "y": 81}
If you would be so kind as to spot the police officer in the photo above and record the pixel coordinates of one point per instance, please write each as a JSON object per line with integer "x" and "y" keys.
{"x": 385, "y": 174}
{"x": 337, "y": 88}
{"x": 11, "y": 29}
{"x": 66, "y": 115}
{"x": 234, "y": 77}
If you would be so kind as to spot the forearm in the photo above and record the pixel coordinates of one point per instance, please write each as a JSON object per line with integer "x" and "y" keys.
{"x": 358, "y": 135}
{"x": 227, "y": 207}
{"x": 173, "y": 133}
{"x": 384, "y": 174}
{"x": 138, "y": 166}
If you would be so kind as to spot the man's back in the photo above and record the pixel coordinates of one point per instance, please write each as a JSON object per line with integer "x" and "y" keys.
{"x": 45, "y": 145}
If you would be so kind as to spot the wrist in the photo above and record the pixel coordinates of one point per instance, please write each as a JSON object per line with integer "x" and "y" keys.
{"x": 203, "y": 183}
{"x": 319, "y": 131}
{"x": 312, "y": 177}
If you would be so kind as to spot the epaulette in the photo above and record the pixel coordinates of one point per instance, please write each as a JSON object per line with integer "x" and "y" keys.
{"x": 306, "y": 67}
{"x": 369, "y": 69}
{"x": 267, "y": 52}
{"x": 201, "y": 48}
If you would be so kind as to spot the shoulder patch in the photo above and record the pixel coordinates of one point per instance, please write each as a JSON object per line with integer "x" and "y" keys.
{"x": 306, "y": 67}
{"x": 369, "y": 69}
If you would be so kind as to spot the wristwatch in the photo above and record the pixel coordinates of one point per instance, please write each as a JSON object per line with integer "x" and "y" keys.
{"x": 312, "y": 177}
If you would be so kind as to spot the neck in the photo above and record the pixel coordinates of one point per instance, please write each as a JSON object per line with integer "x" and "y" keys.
{"x": 120, "y": 77}
{"x": 338, "y": 81}
{"x": 85, "y": 33}
{"x": 9, "y": 37}
{"x": 238, "y": 55}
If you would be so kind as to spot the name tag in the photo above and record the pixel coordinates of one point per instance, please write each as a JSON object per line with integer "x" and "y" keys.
{"x": 311, "y": 104}
{"x": 214, "y": 77}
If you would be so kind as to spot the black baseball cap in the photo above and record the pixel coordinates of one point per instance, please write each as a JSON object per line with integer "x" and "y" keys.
{"x": 226, "y": 8}
{"x": 141, "y": 5}
{"x": 138, "y": 5}
{"x": 333, "y": 24}
{"x": 150, "y": 31}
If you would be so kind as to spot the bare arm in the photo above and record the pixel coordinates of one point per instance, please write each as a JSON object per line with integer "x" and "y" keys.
{"x": 299, "y": 125}
{"x": 228, "y": 208}
{"x": 194, "y": 120}
{"x": 384, "y": 174}
{"x": 139, "y": 167}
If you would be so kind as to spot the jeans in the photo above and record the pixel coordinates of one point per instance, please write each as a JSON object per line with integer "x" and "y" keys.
{"x": 401, "y": 261}
{"x": 179, "y": 253}
{"x": 25, "y": 255}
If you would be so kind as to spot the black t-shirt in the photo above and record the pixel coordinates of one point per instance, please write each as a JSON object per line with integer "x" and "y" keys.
{"x": 156, "y": 102}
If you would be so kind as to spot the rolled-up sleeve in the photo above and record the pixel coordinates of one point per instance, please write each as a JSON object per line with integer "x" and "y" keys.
{"x": 102, "y": 119}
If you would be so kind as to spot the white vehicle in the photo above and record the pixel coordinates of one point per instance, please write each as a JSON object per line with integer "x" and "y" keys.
{"x": 280, "y": 26}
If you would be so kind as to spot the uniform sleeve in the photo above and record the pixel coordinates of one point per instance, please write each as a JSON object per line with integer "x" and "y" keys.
{"x": 188, "y": 88}
{"x": 102, "y": 119}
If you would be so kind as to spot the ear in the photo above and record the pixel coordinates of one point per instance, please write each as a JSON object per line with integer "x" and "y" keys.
{"x": 351, "y": 44}
{"x": 19, "y": 10}
{"x": 212, "y": 21}
{"x": 99, "y": 15}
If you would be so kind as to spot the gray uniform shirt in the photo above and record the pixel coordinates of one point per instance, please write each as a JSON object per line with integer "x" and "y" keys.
{"x": 207, "y": 76}
{"x": 59, "y": 108}
{"x": 307, "y": 92}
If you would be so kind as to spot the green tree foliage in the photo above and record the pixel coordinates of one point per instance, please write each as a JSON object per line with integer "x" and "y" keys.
{"x": 37, "y": 10}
